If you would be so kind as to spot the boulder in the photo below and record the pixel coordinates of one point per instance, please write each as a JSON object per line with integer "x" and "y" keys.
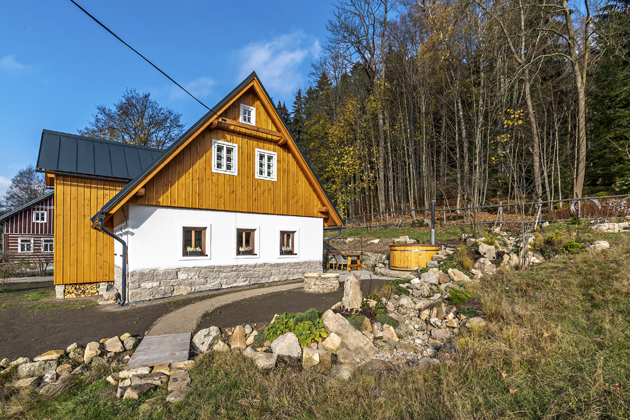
{"x": 134, "y": 392}
{"x": 130, "y": 342}
{"x": 313, "y": 357}
{"x": 128, "y": 373}
{"x": 333, "y": 343}
{"x": 366, "y": 326}
{"x": 66, "y": 367}
{"x": 49, "y": 355}
{"x": 476, "y": 323}
{"x": 287, "y": 345}
{"x": 114, "y": 345}
{"x": 221, "y": 346}
{"x": 19, "y": 361}
{"x": 205, "y": 339}
{"x": 598, "y": 246}
{"x": 112, "y": 379}
{"x": 72, "y": 347}
{"x": 487, "y": 251}
{"x": 178, "y": 380}
{"x": 389, "y": 333}
{"x": 343, "y": 372}
{"x": 377, "y": 330}
{"x": 31, "y": 370}
{"x": 77, "y": 355}
{"x": 406, "y": 302}
{"x": 444, "y": 278}
{"x": 441, "y": 334}
{"x": 352, "y": 296}
{"x": 50, "y": 376}
{"x": 26, "y": 383}
{"x": 5, "y": 363}
{"x": 458, "y": 276}
{"x": 346, "y": 356}
{"x": 248, "y": 329}
{"x": 251, "y": 338}
{"x": 157, "y": 379}
{"x": 164, "y": 368}
{"x": 238, "y": 338}
{"x": 377, "y": 366}
{"x": 92, "y": 350}
{"x": 431, "y": 277}
{"x": 185, "y": 365}
{"x": 265, "y": 360}
{"x": 124, "y": 337}
{"x": 178, "y": 395}
{"x": 352, "y": 339}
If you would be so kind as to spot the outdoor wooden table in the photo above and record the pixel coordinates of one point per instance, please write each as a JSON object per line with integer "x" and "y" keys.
{"x": 350, "y": 257}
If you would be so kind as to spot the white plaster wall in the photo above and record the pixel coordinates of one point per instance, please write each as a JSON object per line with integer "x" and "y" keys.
{"x": 154, "y": 237}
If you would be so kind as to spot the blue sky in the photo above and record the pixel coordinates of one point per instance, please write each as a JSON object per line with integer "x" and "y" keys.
{"x": 57, "y": 65}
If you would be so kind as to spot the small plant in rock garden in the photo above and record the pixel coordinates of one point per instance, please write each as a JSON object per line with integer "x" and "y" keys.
{"x": 468, "y": 312}
{"x": 445, "y": 267}
{"x": 458, "y": 296}
{"x": 386, "y": 319}
{"x": 575, "y": 220}
{"x": 463, "y": 258}
{"x": 491, "y": 240}
{"x": 356, "y": 321}
{"x": 573, "y": 247}
{"x": 306, "y": 326}
{"x": 539, "y": 241}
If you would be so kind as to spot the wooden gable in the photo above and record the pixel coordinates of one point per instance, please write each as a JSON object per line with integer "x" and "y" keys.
{"x": 185, "y": 178}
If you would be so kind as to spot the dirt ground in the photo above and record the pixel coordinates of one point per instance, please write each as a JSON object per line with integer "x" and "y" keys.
{"x": 32, "y": 321}
{"x": 259, "y": 311}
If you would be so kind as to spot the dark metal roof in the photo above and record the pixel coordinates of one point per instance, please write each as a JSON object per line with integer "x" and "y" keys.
{"x": 25, "y": 206}
{"x": 80, "y": 155}
{"x": 194, "y": 127}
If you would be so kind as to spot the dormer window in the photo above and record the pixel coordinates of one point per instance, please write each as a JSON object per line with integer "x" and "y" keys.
{"x": 39, "y": 217}
{"x": 248, "y": 114}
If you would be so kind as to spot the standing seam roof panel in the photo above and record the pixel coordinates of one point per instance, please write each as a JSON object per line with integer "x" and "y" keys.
{"x": 67, "y": 154}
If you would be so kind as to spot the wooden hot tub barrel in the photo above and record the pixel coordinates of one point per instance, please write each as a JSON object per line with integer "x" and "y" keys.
{"x": 411, "y": 257}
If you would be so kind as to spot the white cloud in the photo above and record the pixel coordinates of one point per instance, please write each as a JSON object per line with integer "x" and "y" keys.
{"x": 4, "y": 186}
{"x": 200, "y": 88}
{"x": 8, "y": 63}
{"x": 278, "y": 61}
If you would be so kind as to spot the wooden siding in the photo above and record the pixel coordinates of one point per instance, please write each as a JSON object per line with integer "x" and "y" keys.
{"x": 82, "y": 254}
{"x": 188, "y": 181}
{"x": 11, "y": 247}
{"x": 22, "y": 222}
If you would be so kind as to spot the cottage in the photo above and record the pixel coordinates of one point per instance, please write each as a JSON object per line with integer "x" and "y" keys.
{"x": 232, "y": 202}
{"x": 27, "y": 232}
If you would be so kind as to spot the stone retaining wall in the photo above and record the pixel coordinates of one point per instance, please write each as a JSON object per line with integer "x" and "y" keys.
{"x": 321, "y": 283}
{"x": 152, "y": 284}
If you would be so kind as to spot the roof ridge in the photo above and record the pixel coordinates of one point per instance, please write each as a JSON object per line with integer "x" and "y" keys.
{"x": 97, "y": 139}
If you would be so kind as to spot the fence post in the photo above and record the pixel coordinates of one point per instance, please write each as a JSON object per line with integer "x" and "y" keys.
{"x": 444, "y": 215}
{"x": 432, "y": 222}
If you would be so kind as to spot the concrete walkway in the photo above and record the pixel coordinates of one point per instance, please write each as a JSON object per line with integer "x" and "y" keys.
{"x": 185, "y": 319}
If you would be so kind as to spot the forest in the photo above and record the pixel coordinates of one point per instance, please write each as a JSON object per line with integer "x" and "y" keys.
{"x": 468, "y": 102}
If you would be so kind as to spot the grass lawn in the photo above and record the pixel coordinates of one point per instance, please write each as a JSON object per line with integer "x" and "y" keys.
{"x": 557, "y": 346}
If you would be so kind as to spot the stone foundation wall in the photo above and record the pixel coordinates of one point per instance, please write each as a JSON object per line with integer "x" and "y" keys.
{"x": 321, "y": 283}
{"x": 152, "y": 284}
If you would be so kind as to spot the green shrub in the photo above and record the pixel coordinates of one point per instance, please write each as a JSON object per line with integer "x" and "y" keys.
{"x": 458, "y": 296}
{"x": 468, "y": 312}
{"x": 552, "y": 219}
{"x": 306, "y": 326}
{"x": 539, "y": 241}
{"x": 386, "y": 319}
{"x": 356, "y": 321}
{"x": 575, "y": 220}
{"x": 463, "y": 258}
{"x": 423, "y": 270}
{"x": 395, "y": 285}
{"x": 573, "y": 247}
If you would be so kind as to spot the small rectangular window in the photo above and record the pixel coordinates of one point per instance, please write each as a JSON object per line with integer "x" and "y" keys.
{"x": 266, "y": 163}
{"x": 224, "y": 157}
{"x": 25, "y": 245}
{"x": 245, "y": 241}
{"x": 287, "y": 243}
{"x": 39, "y": 217}
{"x": 248, "y": 114}
{"x": 194, "y": 242}
{"x": 48, "y": 245}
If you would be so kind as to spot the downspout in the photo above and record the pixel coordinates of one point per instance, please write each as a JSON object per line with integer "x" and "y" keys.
{"x": 334, "y": 236}
{"x": 123, "y": 293}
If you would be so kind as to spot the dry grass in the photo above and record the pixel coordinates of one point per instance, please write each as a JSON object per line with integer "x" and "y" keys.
{"x": 557, "y": 346}
{"x": 462, "y": 257}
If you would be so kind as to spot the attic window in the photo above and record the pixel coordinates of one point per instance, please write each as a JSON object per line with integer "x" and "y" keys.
{"x": 224, "y": 157}
{"x": 248, "y": 114}
{"x": 266, "y": 165}
{"x": 39, "y": 217}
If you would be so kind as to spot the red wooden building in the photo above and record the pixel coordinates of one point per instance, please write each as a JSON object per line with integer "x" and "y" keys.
{"x": 28, "y": 231}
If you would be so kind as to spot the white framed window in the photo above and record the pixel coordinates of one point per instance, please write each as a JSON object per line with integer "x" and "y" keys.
{"x": 196, "y": 242}
{"x": 48, "y": 245}
{"x": 266, "y": 163}
{"x": 39, "y": 217}
{"x": 289, "y": 244}
{"x": 224, "y": 157}
{"x": 25, "y": 245}
{"x": 247, "y": 242}
{"x": 248, "y": 114}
